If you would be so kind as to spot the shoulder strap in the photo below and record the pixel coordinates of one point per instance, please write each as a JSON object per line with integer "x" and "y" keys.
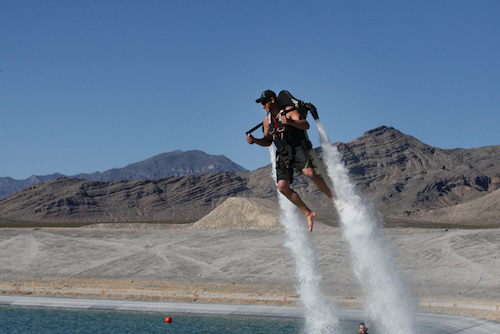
{"x": 272, "y": 131}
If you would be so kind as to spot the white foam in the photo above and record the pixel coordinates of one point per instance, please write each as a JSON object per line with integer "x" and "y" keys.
{"x": 371, "y": 259}
{"x": 320, "y": 316}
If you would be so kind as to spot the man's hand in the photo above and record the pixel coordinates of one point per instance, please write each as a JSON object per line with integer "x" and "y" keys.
{"x": 250, "y": 139}
{"x": 293, "y": 118}
{"x": 283, "y": 119}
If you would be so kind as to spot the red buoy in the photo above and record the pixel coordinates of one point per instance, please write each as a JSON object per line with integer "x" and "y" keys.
{"x": 168, "y": 320}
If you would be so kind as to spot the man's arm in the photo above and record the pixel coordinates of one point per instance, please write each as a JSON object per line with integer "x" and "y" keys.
{"x": 294, "y": 118}
{"x": 267, "y": 140}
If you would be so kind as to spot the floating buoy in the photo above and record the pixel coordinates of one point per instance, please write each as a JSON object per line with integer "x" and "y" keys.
{"x": 168, "y": 320}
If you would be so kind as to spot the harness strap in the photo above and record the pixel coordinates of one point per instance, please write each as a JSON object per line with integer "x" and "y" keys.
{"x": 277, "y": 135}
{"x": 280, "y": 139}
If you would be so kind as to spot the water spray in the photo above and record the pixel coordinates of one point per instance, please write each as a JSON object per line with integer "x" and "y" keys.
{"x": 370, "y": 257}
{"x": 320, "y": 317}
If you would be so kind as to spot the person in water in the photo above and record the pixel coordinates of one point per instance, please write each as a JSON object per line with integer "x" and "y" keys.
{"x": 362, "y": 328}
{"x": 287, "y": 130}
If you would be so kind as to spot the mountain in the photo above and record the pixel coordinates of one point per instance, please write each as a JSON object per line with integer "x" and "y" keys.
{"x": 9, "y": 185}
{"x": 177, "y": 163}
{"x": 77, "y": 200}
{"x": 404, "y": 179}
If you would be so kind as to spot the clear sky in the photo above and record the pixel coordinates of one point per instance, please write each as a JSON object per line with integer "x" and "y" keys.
{"x": 91, "y": 85}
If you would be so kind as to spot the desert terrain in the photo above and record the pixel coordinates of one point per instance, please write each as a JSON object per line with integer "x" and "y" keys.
{"x": 216, "y": 237}
{"x": 448, "y": 271}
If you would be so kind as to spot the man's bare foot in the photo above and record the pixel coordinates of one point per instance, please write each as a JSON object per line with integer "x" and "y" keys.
{"x": 310, "y": 220}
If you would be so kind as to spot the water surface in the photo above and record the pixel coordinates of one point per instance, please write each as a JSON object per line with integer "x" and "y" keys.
{"x": 29, "y": 320}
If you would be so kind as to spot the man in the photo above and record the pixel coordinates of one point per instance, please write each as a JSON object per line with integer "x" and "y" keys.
{"x": 362, "y": 328}
{"x": 288, "y": 131}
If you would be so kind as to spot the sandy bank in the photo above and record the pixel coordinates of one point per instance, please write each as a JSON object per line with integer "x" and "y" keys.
{"x": 444, "y": 267}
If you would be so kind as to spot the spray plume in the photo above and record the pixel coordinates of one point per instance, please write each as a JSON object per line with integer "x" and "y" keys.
{"x": 370, "y": 257}
{"x": 320, "y": 317}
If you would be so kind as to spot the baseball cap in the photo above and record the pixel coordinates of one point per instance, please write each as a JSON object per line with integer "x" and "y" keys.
{"x": 266, "y": 96}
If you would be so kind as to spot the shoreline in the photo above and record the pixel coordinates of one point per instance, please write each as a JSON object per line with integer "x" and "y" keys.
{"x": 218, "y": 294}
{"x": 447, "y": 272}
{"x": 429, "y": 322}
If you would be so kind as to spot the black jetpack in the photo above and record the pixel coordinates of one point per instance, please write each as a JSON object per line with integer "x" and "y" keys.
{"x": 286, "y": 99}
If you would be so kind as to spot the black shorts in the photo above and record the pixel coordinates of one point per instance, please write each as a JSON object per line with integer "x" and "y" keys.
{"x": 301, "y": 161}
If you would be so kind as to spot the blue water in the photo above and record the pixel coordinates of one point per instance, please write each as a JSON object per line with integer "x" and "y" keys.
{"x": 28, "y": 320}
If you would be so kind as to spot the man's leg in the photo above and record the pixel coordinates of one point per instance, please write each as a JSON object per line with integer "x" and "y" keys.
{"x": 319, "y": 182}
{"x": 284, "y": 188}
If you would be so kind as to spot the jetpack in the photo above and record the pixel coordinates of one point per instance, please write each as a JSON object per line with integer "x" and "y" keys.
{"x": 286, "y": 99}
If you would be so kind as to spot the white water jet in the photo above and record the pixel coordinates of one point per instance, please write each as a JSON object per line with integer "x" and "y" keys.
{"x": 320, "y": 317}
{"x": 371, "y": 259}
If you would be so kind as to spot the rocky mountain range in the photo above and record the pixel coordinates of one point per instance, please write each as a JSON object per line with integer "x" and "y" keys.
{"x": 404, "y": 179}
{"x": 177, "y": 163}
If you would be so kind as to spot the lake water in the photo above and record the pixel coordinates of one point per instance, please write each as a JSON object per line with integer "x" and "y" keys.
{"x": 28, "y": 320}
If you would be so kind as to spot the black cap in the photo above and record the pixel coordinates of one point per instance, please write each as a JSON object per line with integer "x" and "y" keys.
{"x": 266, "y": 96}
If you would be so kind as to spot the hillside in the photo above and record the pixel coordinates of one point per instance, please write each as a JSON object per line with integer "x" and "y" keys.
{"x": 403, "y": 175}
{"x": 404, "y": 178}
{"x": 76, "y": 200}
{"x": 177, "y": 163}
{"x": 9, "y": 185}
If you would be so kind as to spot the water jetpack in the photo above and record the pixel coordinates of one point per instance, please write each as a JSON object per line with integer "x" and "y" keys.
{"x": 286, "y": 99}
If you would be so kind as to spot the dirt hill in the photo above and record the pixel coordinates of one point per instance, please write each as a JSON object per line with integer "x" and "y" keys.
{"x": 242, "y": 213}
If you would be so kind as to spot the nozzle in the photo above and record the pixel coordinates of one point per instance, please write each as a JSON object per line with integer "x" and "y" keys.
{"x": 313, "y": 110}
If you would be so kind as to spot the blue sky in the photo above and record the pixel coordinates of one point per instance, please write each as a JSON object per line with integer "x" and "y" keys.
{"x": 91, "y": 85}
